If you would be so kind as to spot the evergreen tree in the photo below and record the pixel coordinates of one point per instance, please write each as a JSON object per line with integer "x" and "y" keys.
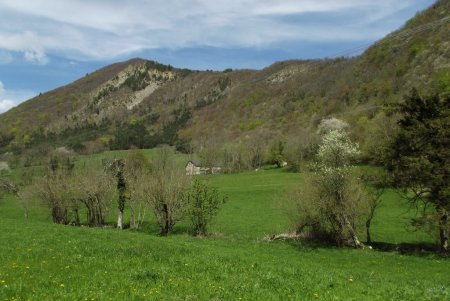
{"x": 419, "y": 159}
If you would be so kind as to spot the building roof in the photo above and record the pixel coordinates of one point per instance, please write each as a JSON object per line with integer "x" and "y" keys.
{"x": 193, "y": 162}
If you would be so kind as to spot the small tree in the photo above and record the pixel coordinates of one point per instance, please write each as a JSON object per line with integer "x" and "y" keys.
{"x": 165, "y": 191}
{"x": 203, "y": 205}
{"x": 54, "y": 190}
{"x": 276, "y": 153}
{"x": 375, "y": 184}
{"x": 420, "y": 159}
{"x": 256, "y": 147}
{"x": 235, "y": 158}
{"x": 137, "y": 172}
{"x": 93, "y": 188}
{"x": 332, "y": 201}
{"x": 301, "y": 148}
{"x": 208, "y": 152}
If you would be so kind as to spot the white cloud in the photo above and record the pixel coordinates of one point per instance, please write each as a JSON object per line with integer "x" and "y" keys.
{"x": 97, "y": 29}
{"x": 27, "y": 42}
{"x": 10, "y": 98}
{"x": 6, "y": 105}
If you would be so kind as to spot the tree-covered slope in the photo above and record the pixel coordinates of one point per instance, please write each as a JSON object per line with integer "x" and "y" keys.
{"x": 144, "y": 103}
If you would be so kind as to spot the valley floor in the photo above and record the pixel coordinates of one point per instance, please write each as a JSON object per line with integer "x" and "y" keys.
{"x": 43, "y": 261}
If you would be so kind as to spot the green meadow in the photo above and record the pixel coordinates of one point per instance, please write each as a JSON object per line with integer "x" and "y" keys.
{"x": 40, "y": 260}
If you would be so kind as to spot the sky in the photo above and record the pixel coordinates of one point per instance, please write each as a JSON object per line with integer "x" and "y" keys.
{"x": 45, "y": 44}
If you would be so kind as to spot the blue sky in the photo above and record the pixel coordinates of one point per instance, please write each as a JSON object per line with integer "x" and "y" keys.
{"x": 45, "y": 43}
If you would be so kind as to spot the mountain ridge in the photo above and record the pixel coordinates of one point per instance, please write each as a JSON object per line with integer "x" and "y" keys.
{"x": 188, "y": 107}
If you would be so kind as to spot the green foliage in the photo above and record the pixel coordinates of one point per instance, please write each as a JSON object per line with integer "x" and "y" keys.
{"x": 204, "y": 203}
{"x": 416, "y": 48}
{"x": 276, "y": 153}
{"x": 132, "y": 134}
{"x": 420, "y": 156}
{"x": 224, "y": 82}
{"x": 140, "y": 78}
{"x": 105, "y": 92}
{"x": 253, "y": 98}
{"x": 250, "y": 125}
{"x": 443, "y": 81}
{"x": 5, "y": 139}
{"x": 170, "y": 130}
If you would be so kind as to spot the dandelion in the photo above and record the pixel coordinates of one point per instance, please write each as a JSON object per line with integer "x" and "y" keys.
{"x": 62, "y": 285}
{"x": 350, "y": 279}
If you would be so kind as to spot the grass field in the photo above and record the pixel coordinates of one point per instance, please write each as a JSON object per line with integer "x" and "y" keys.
{"x": 43, "y": 261}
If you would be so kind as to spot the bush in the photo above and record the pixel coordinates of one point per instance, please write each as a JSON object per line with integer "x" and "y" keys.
{"x": 203, "y": 205}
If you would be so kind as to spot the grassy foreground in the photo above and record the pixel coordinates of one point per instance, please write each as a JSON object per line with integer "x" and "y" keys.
{"x": 43, "y": 261}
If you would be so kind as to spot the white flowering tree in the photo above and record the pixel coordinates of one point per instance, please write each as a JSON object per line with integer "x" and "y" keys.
{"x": 332, "y": 203}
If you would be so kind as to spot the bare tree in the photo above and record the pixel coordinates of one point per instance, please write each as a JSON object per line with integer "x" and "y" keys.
{"x": 53, "y": 190}
{"x": 94, "y": 189}
{"x": 208, "y": 152}
{"x": 165, "y": 190}
{"x": 137, "y": 172}
{"x": 301, "y": 148}
{"x": 375, "y": 184}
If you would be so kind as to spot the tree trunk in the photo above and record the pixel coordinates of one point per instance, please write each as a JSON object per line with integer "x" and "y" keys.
{"x": 165, "y": 225}
{"x": 120, "y": 220}
{"x": 25, "y": 211}
{"x": 443, "y": 232}
{"x": 369, "y": 238}
{"x": 356, "y": 242}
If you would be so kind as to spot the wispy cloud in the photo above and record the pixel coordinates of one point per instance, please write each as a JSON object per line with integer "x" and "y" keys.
{"x": 100, "y": 29}
{"x": 27, "y": 42}
{"x": 11, "y": 98}
{"x": 5, "y": 104}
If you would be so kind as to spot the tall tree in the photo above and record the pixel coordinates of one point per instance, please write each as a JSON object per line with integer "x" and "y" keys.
{"x": 116, "y": 167}
{"x": 419, "y": 159}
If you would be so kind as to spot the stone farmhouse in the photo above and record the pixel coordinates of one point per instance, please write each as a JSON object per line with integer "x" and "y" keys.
{"x": 194, "y": 168}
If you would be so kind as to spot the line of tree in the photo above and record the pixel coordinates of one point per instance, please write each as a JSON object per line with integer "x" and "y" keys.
{"x": 132, "y": 182}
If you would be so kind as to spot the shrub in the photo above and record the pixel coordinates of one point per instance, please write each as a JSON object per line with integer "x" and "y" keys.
{"x": 203, "y": 205}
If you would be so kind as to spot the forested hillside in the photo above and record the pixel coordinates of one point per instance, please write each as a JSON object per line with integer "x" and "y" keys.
{"x": 142, "y": 103}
